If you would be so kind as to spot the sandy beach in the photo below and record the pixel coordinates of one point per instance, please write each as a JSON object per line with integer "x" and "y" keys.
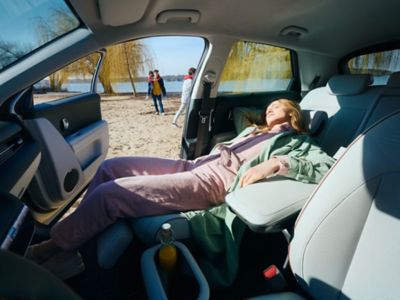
{"x": 135, "y": 130}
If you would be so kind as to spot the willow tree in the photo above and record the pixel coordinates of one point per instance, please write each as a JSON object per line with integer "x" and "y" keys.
{"x": 124, "y": 62}
{"x": 56, "y": 23}
{"x": 257, "y": 62}
{"x": 10, "y": 52}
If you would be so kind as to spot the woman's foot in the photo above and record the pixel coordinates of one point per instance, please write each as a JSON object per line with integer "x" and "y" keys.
{"x": 63, "y": 264}
{"x": 41, "y": 252}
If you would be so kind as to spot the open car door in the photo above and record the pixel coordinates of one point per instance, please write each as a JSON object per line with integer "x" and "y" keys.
{"x": 72, "y": 136}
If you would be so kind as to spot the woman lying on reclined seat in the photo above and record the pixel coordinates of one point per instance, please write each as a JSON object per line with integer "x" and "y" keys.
{"x": 131, "y": 187}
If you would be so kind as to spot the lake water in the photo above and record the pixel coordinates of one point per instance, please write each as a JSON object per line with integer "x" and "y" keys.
{"x": 176, "y": 86}
{"x": 123, "y": 87}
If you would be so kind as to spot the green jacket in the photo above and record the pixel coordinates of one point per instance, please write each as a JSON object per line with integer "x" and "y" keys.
{"x": 217, "y": 231}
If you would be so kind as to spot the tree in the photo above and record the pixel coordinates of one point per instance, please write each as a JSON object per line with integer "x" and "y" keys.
{"x": 10, "y": 52}
{"x": 256, "y": 61}
{"x": 58, "y": 22}
{"x": 123, "y": 62}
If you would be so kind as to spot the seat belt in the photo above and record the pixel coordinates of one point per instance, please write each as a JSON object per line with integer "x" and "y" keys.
{"x": 205, "y": 115}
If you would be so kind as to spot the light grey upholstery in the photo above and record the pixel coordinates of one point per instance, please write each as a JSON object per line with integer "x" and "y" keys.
{"x": 265, "y": 205}
{"x": 345, "y": 243}
{"x": 346, "y": 108}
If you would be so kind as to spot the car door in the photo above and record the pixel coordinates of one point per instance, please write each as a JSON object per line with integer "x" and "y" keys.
{"x": 73, "y": 138}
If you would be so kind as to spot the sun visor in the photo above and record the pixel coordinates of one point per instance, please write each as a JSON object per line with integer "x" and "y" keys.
{"x": 121, "y": 12}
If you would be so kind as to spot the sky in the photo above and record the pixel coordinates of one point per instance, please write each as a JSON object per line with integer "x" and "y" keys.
{"x": 174, "y": 55}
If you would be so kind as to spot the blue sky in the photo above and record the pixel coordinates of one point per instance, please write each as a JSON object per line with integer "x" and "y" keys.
{"x": 174, "y": 55}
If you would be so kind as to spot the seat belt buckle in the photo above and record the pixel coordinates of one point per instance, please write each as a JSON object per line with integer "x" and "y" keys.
{"x": 275, "y": 278}
{"x": 203, "y": 118}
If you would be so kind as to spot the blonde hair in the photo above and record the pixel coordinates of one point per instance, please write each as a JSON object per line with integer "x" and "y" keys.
{"x": 293, "y": 109}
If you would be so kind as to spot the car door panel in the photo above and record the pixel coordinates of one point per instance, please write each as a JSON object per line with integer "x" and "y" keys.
{"x": 74, "y": 141}
{"x": 76, "y": 111}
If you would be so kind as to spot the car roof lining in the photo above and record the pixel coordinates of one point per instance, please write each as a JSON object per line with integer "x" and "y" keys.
{"x": 354, "y": 24}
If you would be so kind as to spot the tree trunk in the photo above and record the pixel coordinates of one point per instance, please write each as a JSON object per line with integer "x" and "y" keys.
{"x": 106, "y": 85}
{"x": 129, "y": 70}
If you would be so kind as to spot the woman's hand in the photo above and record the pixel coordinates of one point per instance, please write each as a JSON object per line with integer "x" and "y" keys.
{"x": 261, "y": 171}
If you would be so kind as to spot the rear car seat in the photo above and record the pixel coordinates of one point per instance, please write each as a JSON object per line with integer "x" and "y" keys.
{"x": 346, "y": 100}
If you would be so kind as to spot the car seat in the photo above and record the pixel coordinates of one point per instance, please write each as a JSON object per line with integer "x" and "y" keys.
{"x": 345, "y": 244}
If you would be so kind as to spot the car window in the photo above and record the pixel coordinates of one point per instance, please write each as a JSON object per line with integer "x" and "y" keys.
{"x": 379, "y": 64}
{"x": 254, "y": 67}
{"x": 31, "y": 24}
{"x": 74, "y": 79}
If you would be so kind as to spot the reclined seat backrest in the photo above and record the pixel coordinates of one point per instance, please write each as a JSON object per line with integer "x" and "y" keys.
{"x": 343, "y": 245}
{"x": 387, "y": 102}
{"x": 346, "y": 100}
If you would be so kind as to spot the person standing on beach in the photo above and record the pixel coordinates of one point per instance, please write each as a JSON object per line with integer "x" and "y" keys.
{"x": 149, "y": 80}
{"x": 157, "y": 91}
{"x": 185, "y": 97}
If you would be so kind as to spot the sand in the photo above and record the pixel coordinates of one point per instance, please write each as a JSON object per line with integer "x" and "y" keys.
{"x": 135, "y": 130}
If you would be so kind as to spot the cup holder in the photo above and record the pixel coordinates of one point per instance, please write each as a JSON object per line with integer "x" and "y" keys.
{"x": 186, "y": 282}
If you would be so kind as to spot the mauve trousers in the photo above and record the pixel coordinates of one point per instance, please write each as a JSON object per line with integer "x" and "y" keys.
{"x": 140, "y": 186}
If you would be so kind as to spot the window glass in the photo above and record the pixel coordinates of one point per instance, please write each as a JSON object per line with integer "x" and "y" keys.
{"x": 253, "y": 67}
{"x": 71, "y": 80}
{"x": 28, "y": 24}
{"x": 379, "y": 64}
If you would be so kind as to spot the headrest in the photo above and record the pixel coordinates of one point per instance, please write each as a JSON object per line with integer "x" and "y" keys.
{"x": 346, "y": 85}
{"x": 314, "y": 120}
{"x": 242, "y": 116}
{"x": 394, "y": 80}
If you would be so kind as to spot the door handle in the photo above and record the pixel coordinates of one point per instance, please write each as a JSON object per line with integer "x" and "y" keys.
{"x": 64, "y": 124}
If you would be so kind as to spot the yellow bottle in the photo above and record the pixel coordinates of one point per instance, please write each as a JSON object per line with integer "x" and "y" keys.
{"x": 167, "y": 255}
